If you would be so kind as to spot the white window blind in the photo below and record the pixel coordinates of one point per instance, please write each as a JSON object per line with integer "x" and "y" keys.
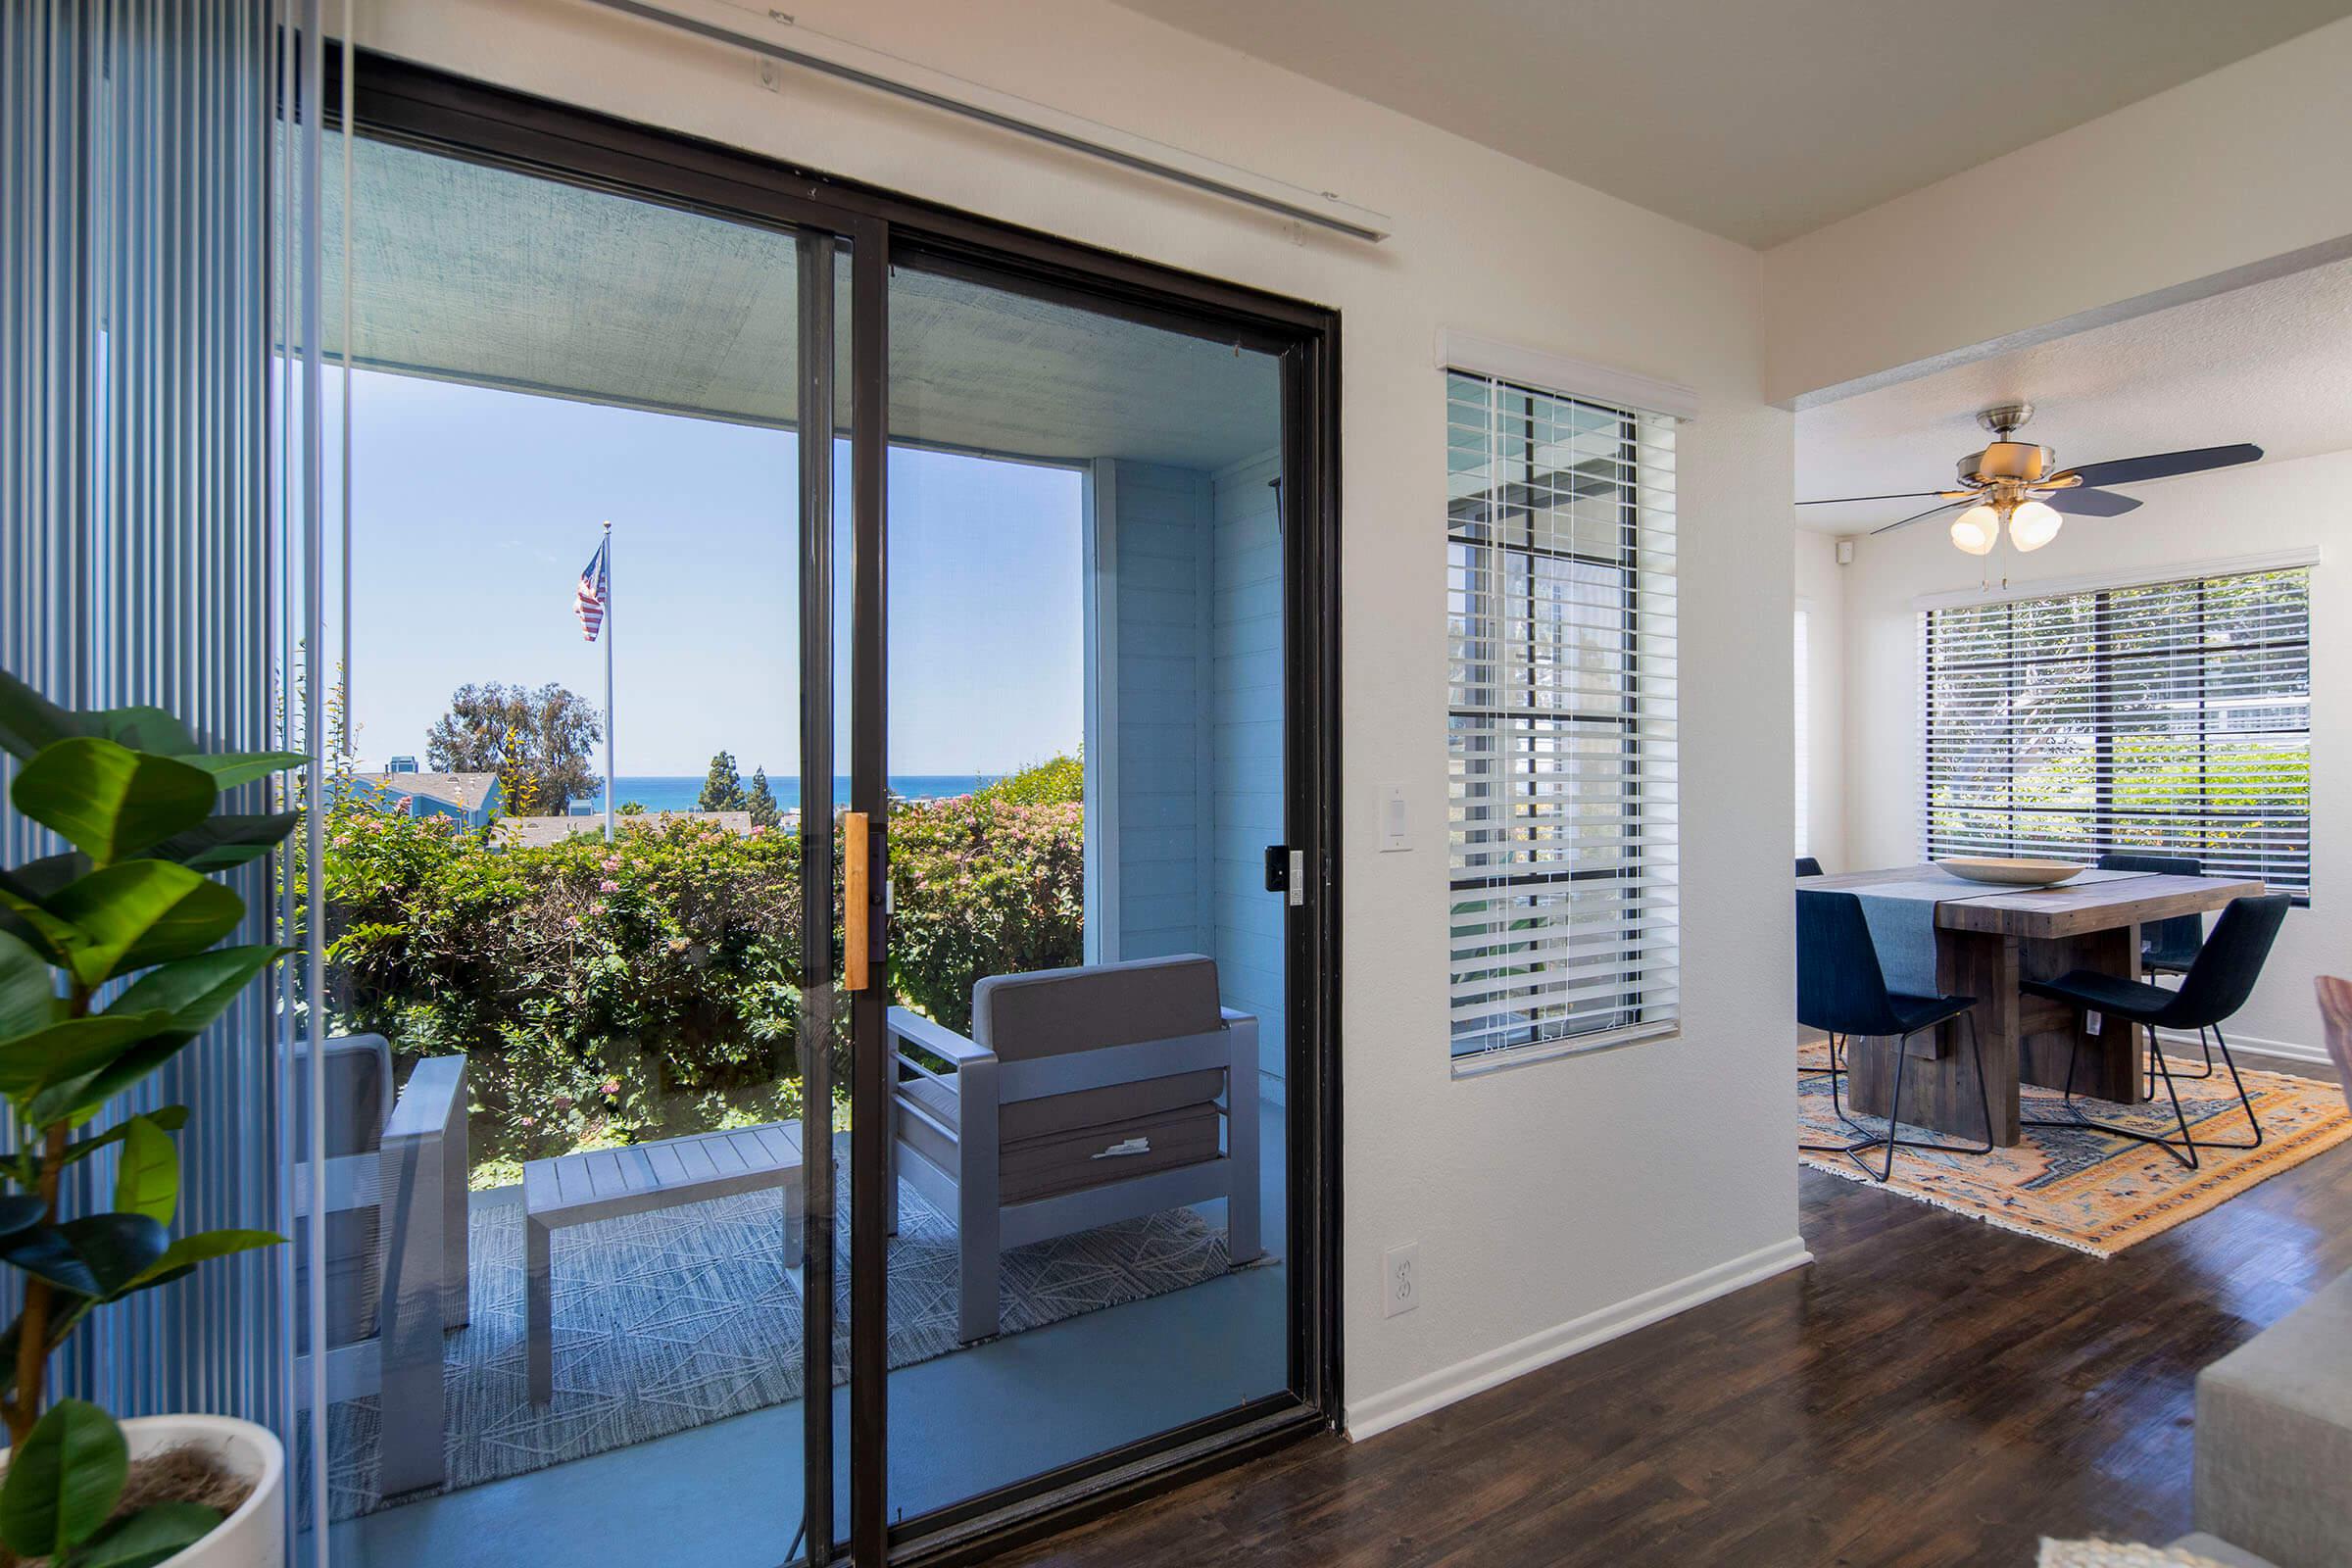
{"x": 1805, "y": 740}
{"x": 2171, "y": 717}
{"x": 1560, "y": 605}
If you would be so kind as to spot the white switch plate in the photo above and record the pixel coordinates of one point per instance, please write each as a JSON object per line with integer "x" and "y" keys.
{"x": 1400, "y": 1279}
{"x": 1393, "y": 834}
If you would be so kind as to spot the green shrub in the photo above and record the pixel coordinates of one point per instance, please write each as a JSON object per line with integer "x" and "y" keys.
{"x": 982, "y": 886}
{"x": 637, "y": 991}
{"x": 1056, "y": 781}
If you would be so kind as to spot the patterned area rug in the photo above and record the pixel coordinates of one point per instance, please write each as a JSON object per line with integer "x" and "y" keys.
{"x": 2087, "y": 1189}
{"x": 671, "y": 1319}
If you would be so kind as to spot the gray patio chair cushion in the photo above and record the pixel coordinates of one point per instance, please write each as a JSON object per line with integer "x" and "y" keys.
{"x": 358, "y": 1099}
{"x": 1052, "y": 1011}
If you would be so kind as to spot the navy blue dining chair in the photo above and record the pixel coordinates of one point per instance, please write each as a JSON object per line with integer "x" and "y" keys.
{"x": 2167, "y": 947}
{"x": 1806, "y": 865}
{"x": 1842, "y": 990}
{"x": 2219, "y": 981}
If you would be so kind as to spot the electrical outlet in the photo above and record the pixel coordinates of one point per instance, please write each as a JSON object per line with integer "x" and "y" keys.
{"x": 1400, "y": 1279}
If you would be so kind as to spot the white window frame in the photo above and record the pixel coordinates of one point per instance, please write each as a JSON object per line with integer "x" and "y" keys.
{"x": 1646, "y": 930}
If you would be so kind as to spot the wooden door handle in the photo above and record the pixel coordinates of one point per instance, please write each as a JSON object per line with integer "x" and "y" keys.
{"x": 857, "y": 874}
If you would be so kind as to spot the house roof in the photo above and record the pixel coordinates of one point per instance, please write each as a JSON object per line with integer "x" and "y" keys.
{"x": 532, "y": 832}
{"x": 466, "y": 791}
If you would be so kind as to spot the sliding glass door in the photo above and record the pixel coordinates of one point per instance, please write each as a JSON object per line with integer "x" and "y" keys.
{"x": 583, "y": 1032}
{"x": 823, "y": 903}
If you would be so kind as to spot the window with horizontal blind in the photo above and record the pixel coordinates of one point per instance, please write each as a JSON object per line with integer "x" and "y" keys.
{"x": 1560, "y": 609}
{"x": 2168, "y": 716}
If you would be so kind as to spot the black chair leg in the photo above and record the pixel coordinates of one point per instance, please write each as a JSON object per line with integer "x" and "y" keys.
{"x": 2204, "y": 1045}
{"x": 2243, "y": 1099}
{"x": 1892, "y": 1140}
{"x": 2186, "y": 1151}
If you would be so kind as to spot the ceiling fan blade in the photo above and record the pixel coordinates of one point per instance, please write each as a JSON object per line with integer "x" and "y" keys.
{"x": 1839, "y": 501}
{"x": 2089, "y": 503}
{"x": 2165, "y": 465}
{"x": 1917, "y": 516}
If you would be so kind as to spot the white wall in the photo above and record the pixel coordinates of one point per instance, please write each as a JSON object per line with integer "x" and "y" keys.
{"x": 2241, "y": 511}
{"x": 2233, "y": 176}
{"x": 1821, "y": 595}
{"x": 1555, "y": 1202}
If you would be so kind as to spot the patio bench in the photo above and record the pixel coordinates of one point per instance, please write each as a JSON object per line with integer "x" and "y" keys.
{"x": 609, "y": 1183}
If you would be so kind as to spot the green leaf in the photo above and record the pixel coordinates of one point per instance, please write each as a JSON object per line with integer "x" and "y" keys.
{"x": 195, "y": 991}
{"x": 37, "y": 879}
{"x": 152, "y": 1535}
{"x": 25, "y": 917}
{"x": 43, "y": 1252}
{"x": 232, "y": 769}
{"x": 147, "y": 1177}
{"x": 28, "y": 720}
{"x": 63, "y": 1483}
{"x": 187, "y": 1251}
{"x": 109, "y": 801}
{"x": 116, "y": 1248}
{"x": 227, "y": 840}
{"x": 28, "y": 997}
{"x": 143, "y": 729}
{"x": 20, "y": 1211}
{"x": 73, "y": 1049}
{"x": 143, "y": 912}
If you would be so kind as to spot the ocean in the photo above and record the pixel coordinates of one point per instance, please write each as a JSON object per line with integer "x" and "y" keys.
{"x": 667, "y": 792}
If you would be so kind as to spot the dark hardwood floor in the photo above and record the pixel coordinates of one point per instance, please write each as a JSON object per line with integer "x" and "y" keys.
{"x": 1931, "y": 1391}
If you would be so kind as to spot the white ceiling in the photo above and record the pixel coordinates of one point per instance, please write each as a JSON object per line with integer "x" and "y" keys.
{"x": 2271, "y": 363}
{"x": 1759, "y": 120}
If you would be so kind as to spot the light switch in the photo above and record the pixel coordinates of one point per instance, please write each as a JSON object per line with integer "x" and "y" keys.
{"x": 1393, "y": 834}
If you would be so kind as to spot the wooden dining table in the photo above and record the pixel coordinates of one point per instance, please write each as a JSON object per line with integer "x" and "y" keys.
{"x": 1989, "y": 942}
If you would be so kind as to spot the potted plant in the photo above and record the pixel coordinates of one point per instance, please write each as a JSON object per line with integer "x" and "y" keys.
{"x": 108, "y": 968}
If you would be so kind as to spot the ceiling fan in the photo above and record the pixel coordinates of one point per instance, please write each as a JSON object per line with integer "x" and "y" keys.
{"x": 2020, "y": 484}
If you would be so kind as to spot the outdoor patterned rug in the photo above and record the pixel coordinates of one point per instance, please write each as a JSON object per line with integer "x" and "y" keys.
{"x": 2087, "y": 1189}
{"x": 671, "y": 1319}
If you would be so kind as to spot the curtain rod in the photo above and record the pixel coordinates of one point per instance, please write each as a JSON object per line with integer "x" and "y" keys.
{"x": 957, "y": 95}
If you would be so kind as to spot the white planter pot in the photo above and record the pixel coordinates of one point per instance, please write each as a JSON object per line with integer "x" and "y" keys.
{"x": 255, "y": 1535}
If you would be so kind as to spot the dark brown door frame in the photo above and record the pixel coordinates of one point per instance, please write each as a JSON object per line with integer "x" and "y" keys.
{"x": 418, "y": 105}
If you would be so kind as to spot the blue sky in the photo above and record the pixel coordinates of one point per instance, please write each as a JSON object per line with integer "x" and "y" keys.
{"x": 474, "y": 511}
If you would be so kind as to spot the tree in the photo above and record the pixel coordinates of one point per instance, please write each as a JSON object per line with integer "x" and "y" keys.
{"x": 538, "y": 742}
{"x": 722, "y": 786}
{"x": 761, "y": 801}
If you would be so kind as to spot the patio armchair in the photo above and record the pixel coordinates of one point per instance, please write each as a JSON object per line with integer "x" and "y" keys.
{"x": 1084, "y": 1097}
{"x": 394, "y": 1202}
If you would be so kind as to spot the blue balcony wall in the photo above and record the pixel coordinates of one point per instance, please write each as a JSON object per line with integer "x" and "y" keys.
{"x": 1196, "y": 790}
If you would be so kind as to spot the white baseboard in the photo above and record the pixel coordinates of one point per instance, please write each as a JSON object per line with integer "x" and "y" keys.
{"x": 1436, "y": 1389}
{"x": 2270, "y": 1056}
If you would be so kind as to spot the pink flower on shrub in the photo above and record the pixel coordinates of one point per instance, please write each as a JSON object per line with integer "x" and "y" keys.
{"x": 607, "y": 885}
{"x": 526, "y": 1121}
{"x": 573, "y": 920}
{"x": 610, "y": 1086}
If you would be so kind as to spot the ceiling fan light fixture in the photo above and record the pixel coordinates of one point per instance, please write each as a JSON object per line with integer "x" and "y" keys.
{"x": 1978, "y": 529}
{"x": 2034, "y": 523}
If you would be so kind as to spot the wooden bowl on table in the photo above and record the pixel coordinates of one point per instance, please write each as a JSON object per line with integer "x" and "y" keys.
{"x": 2012, "y": 873}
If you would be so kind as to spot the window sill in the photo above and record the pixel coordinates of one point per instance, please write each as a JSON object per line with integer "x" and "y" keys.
{"x": 1490, "y": 1062}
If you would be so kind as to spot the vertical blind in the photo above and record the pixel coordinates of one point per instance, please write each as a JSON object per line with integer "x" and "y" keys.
{"x": 2171, "y": 717}
{"x": 1562, "y": 829}
{"x": 134, "y": 359}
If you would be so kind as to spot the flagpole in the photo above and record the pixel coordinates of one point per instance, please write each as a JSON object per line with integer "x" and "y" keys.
{"x": 607, "y": 681}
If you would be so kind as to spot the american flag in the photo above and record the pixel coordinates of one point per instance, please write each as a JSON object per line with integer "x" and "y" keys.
{"x": 589, "y": 604}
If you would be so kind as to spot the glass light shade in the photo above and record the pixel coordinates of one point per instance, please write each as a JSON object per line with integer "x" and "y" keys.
{"x": 1978, "y": 529}
{"x": 2034, "y": 523}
